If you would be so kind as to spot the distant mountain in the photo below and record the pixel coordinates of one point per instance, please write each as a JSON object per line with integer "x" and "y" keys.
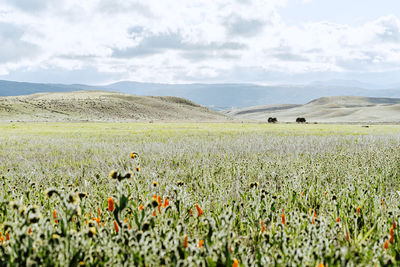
{"x": 218, "y": 96}
{"x": 339, "y": 109}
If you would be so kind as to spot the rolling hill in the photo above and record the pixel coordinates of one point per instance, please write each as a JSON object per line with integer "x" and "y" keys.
{"x": 340, "y": 109}
{"x": 102, "y": 106}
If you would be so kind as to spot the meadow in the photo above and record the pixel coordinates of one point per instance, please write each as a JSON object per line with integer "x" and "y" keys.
{"x": 199, "y": 194}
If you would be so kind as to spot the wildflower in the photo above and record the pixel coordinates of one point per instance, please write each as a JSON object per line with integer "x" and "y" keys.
{"x": 29, "y": 230}
{"x": 2, "y": 239}
{"x": 113, "y": 174}
{"x": 82, "y": 263}
{"x": 321, "y": 264}
{"x": 338, "y": 219}
{"x": 8, "y": 236}
{"x": 159, "y": 200}
{"x": 315, "y": 214}
{"x": 199, "y": 211}
{"x": 126, "y": 220}
{"x": 141, "y": 207}
{"x": 166, "y": 203}
{"x": 391, "y": 239}
{"x": 97, "y": 221}
{"x": 154, "y": 213}
{"x": 155, "y": 184}
{"x": 201, "y": 242}
{"x": 283, "y": 219}
{"x": 386, "y": 245}
{"x": 54, "y": 214}
{"x": 235, "y": 263}
{"x": 191, "y": 212}
{"x": 358, "y": 210}
{"x": 133, "y": 155}
{"x": 262, "y": 227}
{"x": 313, "y": 220}
{"x": 99, "y": 211}
{"x": 110, "y": 204}
{"x": 116, "y": 226}
{"x": 137, "y": 168}
{"x": 185, "y": 242}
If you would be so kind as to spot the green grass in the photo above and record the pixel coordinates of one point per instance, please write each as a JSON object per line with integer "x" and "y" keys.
{"x": 294, "y": 170}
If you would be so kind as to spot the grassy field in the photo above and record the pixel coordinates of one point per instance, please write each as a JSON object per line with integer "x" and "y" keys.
{"x": 204, "y": 194}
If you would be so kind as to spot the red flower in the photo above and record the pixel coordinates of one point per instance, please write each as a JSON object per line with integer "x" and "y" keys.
{"x": 199, "y": 210}
{"x": 110, "y": 204}
{"x": 283, "y": 219}
{"x": 116, "y": 226}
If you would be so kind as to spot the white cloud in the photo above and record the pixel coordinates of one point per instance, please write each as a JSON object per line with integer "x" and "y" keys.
{"x": 178, "y": 40}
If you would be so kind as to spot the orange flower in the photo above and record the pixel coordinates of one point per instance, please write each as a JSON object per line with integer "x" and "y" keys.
{"x": 199, "y": 210}
{"x": 141, "y": 207}
{"x": 302, "y": 193}
{"x": 338, "y": 219}
{"x": 358, "y": 210}
{"x": 154, "y": 213}
{"x": 99, "y": 211}
{"x": 116, "y": 226}
{"x": 262, "y": 227}
{"x": 54, "y": 214}
{"x": 391, "y": 230}
{"x": 2, "y": 239}
{"x": 185, "y": 242}
{"x": 201, "y": 242}
{"x": 391, "y": 239}
{"x": 283, "y": 219}
{"x": 166, "y": 203}
{"x": 8, "y": 236}
{"x": 191, "y": 212}
{"x": 133, "y": 155}
{"x": 98, "y": 221}
{"x": 159, "y": 200}
{"x": 56, "y": 221}
{"x": 29, "y": 230}
{"x": 126, "y": 220}
{"x": 386, "y": 245}
{"x": 159, "y": 209}
{"x": 313, "y": 220}
{"x": 315, "y": 214}
{"x": 321, "y": 264}
{"x": 235, "y": 263}
{"x": 110, "y": 204}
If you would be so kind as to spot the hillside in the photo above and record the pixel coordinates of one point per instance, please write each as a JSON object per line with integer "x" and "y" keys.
{"x": 101, "y": 106}
{"x": 344, "y": 109}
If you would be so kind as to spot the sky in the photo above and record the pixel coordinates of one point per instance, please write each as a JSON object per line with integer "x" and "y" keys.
{"x": 186, "y": 41}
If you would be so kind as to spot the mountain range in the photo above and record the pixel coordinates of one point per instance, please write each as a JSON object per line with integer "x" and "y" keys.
{"x": 220, "y": 96}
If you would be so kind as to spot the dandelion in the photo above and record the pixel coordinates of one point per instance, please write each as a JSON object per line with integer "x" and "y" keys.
{"x": 201, "y": 242}
{"x": 199, "y": 210}
{"x": 386, "y": 245}
{"x": 110, "y": 204}
{"x": 185, "y": 242}
{"x": 133, "y": 155}
{"x": 283, "y": 219}
{"x": 235, "y": 263}
{"x": 262, "y": 227}
{"x": 166, "y": 203}
{"x": 116, "y": 226}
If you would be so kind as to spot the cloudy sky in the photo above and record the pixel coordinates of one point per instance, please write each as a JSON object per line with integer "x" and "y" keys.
{"x": 182, "y": 41}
